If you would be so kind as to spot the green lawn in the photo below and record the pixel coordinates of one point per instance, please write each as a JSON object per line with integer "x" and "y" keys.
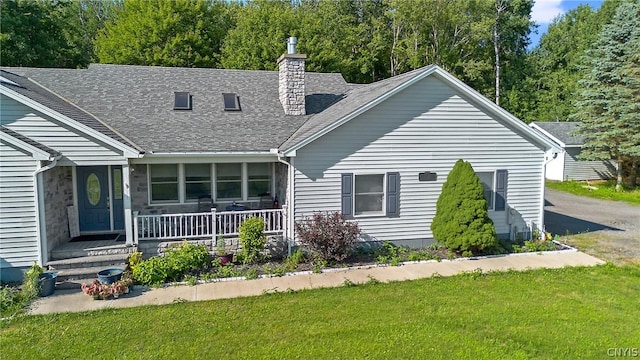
{"x": 605, "y": 190}
{"x": 549, "y": 314}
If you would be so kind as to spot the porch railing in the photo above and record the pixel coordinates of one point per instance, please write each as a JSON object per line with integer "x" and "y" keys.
{"x": 204, "y": 224}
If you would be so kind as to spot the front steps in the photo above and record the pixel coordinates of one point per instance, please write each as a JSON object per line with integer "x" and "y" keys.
{"x": 77, "y": 263}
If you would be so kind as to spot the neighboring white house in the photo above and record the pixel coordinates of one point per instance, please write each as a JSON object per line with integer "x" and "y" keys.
{"x": 567, "y": 165}
{"x": 106, "y": 148}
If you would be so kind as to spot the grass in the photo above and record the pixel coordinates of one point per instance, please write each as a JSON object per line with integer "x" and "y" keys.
{"x": 605, "y": 190}
{"x": 609, "y": 247}
{"x": 545, "y": 314}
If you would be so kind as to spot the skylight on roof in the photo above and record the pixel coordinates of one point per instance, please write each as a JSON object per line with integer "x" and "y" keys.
{"x": 182, "y": 101}
{"x": 231, "y": 102}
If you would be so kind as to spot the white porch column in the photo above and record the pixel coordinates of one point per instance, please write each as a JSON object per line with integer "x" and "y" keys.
{"x": 126, "y": 188}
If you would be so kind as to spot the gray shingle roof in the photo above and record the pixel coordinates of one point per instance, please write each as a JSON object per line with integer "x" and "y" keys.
{"x": 35, "y": 92}
{"x": 28, "y": 140}
{"x": 563, "y": 131}
{"x": 137, "y": 101}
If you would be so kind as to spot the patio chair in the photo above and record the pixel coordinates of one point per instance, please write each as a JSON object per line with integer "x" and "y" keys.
{"x": 266, "y": 202}
{"x": 205, "y": 203}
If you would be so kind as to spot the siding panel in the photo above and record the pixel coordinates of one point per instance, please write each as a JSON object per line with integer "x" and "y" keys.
{"x": 18, "y": 228}
{"x": 75, "y": 147}
{"x": 427, "y": 127}
{"x": 586, "y": 169}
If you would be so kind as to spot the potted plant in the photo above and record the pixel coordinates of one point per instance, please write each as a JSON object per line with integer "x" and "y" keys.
{"x": 101, "y": 291}
{"x": 221, "y": 252}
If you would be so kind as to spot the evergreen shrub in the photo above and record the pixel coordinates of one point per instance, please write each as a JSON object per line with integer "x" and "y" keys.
{"x": 462, "y": 222}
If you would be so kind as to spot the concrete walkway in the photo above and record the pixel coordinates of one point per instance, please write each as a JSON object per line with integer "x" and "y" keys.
{"x": 75, "y": 300}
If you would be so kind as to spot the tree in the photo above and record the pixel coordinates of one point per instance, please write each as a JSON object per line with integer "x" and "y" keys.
{"x": 32, "y": 34}
{"x": 551, "y": 86}
{"x": 609, "y": 103}
{"x": 259, "y": 36}
{"x": 462, "y": 222}
{"x": 167, "y": 33}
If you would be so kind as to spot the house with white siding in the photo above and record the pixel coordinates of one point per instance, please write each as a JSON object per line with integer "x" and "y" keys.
{"x": 568, "y": 165}
{"x": 154, "y": 153}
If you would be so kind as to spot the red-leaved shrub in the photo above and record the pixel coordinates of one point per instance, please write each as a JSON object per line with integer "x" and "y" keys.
{"x": 328, "y": 235}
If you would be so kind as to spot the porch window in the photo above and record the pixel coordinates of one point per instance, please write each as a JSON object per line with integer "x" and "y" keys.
{"x": 369, "y": 194}
{"x": 229, "y": 181}
{"x": 488, "y": 186}
{"x": 259, "y": 178}
{"x": 164, "y": 182}
{"x": 197, "y": 180}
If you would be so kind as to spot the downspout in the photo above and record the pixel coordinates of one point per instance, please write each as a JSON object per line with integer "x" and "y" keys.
{"x": 290, "y": 216}
{"x": 544, "y": 177}
{"x": 41, "y": 223}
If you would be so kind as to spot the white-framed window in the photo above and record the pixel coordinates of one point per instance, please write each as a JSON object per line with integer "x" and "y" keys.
{"x": 368, "y": 194}
{"x": 488, "y": 185}
{"x": 164, "y": 183}
{"x": 259, "y": 179}
{"x": 197, "y": 180}
{"x": 229, "y": 181}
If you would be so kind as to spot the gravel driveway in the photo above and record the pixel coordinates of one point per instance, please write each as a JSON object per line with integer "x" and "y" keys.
{"x": 606, "y": 229}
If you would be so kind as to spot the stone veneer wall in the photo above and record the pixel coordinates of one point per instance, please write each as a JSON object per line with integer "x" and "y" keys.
{"x": 291, "y": 83}
{"x": 58, "y": 194}
{"x": 281, "y": 180}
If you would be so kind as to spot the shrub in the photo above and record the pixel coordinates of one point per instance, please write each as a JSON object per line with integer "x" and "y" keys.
{"x": 31, "y": 283}
{"x": 10, "y": 300}
{"x": 153, "y": 271}
{"x": 461, "y": 222}
{"x": 185, "y": 258}
{"x": 252, "y": 239}
{"x": 177, "y": 262}
{"x": 328, "y": 235}
{"x": 390, "y": 254}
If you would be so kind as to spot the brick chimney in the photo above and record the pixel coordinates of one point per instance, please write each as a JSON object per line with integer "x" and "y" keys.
{"x": 291, "y": 80}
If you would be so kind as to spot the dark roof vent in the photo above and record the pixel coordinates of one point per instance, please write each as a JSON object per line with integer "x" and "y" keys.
{"x": 231, "y": 102}
{"x": 182, "y": 101}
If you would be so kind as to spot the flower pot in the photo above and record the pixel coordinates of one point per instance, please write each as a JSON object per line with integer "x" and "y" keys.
{"x": 225, "y": 259}
{"x": 109, "y": 276}
{"x": 47, "y": 282}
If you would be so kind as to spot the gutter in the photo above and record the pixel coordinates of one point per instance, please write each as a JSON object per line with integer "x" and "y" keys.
{"x": 290, "y": 216}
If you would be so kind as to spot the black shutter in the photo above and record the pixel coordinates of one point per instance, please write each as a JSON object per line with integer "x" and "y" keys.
{"x": 501, "y": 190}
{"x": 347, "y": 195}
{"x": 393, "y": 194}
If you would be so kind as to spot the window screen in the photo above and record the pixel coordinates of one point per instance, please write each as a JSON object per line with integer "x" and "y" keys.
{"x": 164, "y": 182}
{"x": 369, "y": 194}
{"x": 259, "y": 178}
{"x": 229, "y": 181}
{"x": 197, "y": 180}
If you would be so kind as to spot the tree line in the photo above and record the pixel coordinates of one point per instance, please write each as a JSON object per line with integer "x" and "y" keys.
{"x": 482, "y": 42}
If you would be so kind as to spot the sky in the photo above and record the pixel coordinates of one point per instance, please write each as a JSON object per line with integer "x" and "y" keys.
{"x": 544, "y": 11}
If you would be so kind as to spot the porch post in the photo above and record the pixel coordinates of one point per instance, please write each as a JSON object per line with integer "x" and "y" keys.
{"x": 214, "y": 230}
{"x": 136, "y": 234}
{"x": 126, "y": 199}
{"x": 285, "y": 218}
